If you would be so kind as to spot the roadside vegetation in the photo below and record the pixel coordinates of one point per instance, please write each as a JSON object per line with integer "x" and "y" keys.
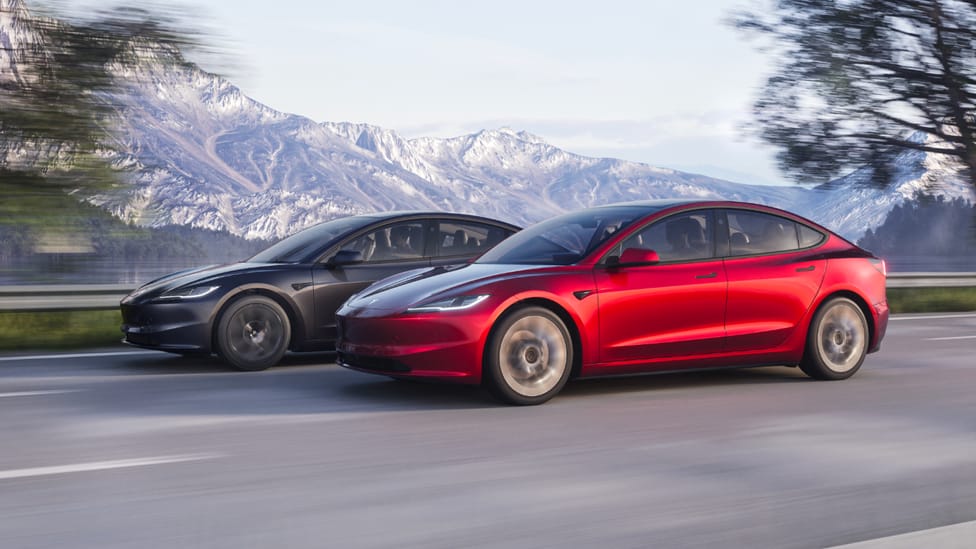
{"x": 79, "y": 329}
{"x": 59, "y": 329}
{"x": 931, "y": 300}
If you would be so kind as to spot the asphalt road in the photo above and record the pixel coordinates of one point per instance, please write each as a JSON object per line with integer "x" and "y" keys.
{"x": 134, "y": 449}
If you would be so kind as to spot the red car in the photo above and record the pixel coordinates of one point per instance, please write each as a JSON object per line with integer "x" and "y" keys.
{"x": 622, "y": 289}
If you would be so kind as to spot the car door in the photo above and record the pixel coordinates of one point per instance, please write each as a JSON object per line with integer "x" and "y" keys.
{"x": 387, "y": 250}
{"x": 672, "y": 308}
{"x": 773, "y": 278}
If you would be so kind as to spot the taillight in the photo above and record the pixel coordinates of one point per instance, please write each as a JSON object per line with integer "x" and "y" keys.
{"x": 880, "y": 265}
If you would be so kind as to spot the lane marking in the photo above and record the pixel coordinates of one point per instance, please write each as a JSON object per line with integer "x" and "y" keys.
{"x": 933, "y": 317}
{"x": 37, "y": 393}
{"x": 103, "y": 465}
{"x": 77, "y": 355}
{"x": 955, "y": 535}
{"x": 949, "y": 338}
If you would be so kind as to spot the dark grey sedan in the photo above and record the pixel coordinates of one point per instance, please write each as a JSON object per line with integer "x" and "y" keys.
{"x": 285, "y": 297}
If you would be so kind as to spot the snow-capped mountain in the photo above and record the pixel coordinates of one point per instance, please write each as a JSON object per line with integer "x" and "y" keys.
{"x": 202, "y": 153}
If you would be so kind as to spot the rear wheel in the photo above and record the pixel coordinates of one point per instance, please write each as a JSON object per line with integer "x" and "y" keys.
{"x": 837, "y": 341}
{"x": 529, "y": 357}
{"x": 253, "y": 333}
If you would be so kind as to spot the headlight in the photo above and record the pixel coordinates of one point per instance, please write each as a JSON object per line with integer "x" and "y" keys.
{"x": 449, "y": 304}
{"x": 193, "y": 292}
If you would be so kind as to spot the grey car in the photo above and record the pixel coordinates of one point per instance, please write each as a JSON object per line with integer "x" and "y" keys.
{"x": 285, "y": 297}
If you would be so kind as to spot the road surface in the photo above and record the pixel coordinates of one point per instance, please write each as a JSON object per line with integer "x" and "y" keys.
{"x": 124, "y": 448}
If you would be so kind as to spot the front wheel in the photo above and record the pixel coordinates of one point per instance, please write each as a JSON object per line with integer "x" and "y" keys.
{"x": 529, "y": 357}
{"x": 253, "y": 333}
{"x": 837, "y": 341}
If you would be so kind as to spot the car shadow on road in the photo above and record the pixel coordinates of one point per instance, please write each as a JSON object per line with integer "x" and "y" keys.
{"x": 651, "y": 383}
{"x": 164, "y": 363}
{"x": 418, "y": 394}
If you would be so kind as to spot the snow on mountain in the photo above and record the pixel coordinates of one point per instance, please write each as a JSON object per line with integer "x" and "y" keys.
{"x": 202, "y": 153}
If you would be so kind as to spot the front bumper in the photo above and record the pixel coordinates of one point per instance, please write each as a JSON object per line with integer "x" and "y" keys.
{"x": 167, "y": 326}
{"x": 436, "y": 346}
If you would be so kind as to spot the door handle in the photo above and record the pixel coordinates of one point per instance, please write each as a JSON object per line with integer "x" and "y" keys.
{"x": 709, "y": 275}
{"x": 806, "y": 269}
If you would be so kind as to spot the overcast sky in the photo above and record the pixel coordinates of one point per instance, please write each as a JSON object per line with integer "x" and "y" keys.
{"x": 664, "y": 82}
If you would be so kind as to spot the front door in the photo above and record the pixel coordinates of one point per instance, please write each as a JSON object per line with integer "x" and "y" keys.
{"x": 673, "y": 308}
{"x": 387, "y": 251}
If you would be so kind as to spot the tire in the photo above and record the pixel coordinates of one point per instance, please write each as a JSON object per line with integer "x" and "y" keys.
{"x": 253, "y": 333}
{"x": 837, "y": 341}
{"x": 529, "y": 357}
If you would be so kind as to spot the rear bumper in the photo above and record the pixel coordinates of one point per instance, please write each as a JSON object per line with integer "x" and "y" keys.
{"x": 881, "y": 313}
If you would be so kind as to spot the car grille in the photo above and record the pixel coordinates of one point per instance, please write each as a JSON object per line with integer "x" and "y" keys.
{"x": 139, "y": 339}
{"x": 373, "y": 363}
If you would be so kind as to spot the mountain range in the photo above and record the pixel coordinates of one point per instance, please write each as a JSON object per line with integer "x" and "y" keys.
{"x": 199, "y": 152}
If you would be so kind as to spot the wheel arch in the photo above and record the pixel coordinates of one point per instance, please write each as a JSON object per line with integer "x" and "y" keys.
{"x": 297, "y": 328}
{"x": 857, "y": 299}
{"x": 556, "y": 309}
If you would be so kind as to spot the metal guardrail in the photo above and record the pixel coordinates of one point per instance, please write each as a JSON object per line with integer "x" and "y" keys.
{"x": 931, "y": 280}
{"x": 66, "y": 297}
{"x": 107, "y": 296}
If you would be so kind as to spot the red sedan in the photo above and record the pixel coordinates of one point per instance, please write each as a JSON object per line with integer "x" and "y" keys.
{"x": 627, "y": 288}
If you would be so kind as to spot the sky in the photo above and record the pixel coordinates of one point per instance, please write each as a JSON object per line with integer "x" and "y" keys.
{"x": 664, "y": 82}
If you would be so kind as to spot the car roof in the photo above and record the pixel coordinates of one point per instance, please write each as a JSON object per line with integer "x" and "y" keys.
{"x": 398, "y": 214}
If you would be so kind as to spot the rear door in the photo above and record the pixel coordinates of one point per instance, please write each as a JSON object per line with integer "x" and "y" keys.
{"x": 773, "y": 278}
{"x": 673, "y": 308}
{"x": 458, "y": 241}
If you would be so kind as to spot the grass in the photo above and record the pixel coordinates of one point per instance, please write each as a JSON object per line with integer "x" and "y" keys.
{"x": 59, "y": 329}
{"x": 76, "y": 329}
{"x": 931, "y": 300}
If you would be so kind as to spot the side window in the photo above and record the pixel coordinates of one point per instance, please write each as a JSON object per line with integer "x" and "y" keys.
{"x": 809, "y": 237}
{"x": 752, "y": 233}
{"x": 459, "y": 238}
{"x": 391, "y": 243}
{"x": 679, "y": 237}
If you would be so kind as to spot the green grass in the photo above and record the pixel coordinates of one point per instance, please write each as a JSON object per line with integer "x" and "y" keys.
{"x": 59, "y": 329}
{"x": 77, "y": 329}
{"x": 931, "y": 300}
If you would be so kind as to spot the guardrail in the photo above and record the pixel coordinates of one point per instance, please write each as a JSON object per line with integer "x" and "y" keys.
{"x": 931, "y": 280}
{"x": 71, "y": 297}
{"x": 62, "y": 297}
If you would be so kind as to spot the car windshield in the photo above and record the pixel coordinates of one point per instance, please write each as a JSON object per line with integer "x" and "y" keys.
{"x": 566, "y": 239}
{"x": 305, "y": 245}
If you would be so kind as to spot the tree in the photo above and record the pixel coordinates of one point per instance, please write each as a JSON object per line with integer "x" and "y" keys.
{"x": 856, "y": 80}
{"x": 56, "y": 84}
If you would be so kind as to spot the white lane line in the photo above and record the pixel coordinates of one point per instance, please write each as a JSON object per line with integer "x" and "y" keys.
{"x": 102, "y": 465}
{"x": 37, "y": 393}
{"x": 932, "y": 317}
{"x": 953, "y": 536}
{"x": 949, "y": 338}
{"x": 77, "y": 355}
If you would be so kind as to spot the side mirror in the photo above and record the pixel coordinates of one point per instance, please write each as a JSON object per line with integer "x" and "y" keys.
{"x": 638, "y": 256}
{"x": 345, "y": 257}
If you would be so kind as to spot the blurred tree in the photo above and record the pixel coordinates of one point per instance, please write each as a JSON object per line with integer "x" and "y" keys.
{"x": 56, "y": 85}
{"x": 856, "y": 80}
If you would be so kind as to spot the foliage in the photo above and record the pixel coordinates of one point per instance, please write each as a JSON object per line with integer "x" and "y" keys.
{"x": 113, "y": 239}
{"x": 856, "y": 80}
{"x": 931, "y": 227}
{"x": 59, "y": 329}
{"x": 55, "y": 100}
{"x": 931, "y": 300}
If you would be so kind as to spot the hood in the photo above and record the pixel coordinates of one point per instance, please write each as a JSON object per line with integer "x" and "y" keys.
{"x": 198, "y": 275}
{"x": 402, "y": 291}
